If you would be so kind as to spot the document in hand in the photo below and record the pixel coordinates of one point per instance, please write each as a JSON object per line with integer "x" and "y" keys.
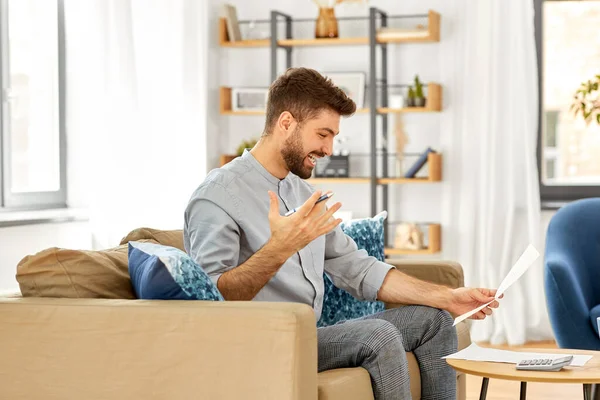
{"x": 523, "y": 263}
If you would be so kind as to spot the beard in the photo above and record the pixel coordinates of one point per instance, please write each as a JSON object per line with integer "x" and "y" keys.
{"x": 293, "y": 155}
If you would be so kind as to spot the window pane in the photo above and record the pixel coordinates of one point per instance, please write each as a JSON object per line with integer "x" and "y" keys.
{"x": 33, "y": 92}
{"x": 571, "y": 55}
{"x": 550, "y": 168}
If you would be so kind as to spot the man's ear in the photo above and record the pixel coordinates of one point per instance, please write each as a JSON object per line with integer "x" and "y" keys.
{"x": 286, "y": 122}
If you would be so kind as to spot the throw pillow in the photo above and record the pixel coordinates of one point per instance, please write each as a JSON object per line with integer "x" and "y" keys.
{"x": 339, "y": 305}
{"x": 165, "y": 273}
{"x": 69, "y": 273}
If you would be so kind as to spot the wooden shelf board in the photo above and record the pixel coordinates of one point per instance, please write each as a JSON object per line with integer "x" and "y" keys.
{"x": 316, "y": 181}
{"x": 387, "y": 181}
{"x": 344, "y": 41}
{"x": 231, "y": 112}
{"x": 382, "y": 181}
{"x": 358, "y": 111}
{"x": 399, "y": 252}
{"x": 247, "y": 43}
{"x": 423, "y": 39}
{"x": 404, "y": 110}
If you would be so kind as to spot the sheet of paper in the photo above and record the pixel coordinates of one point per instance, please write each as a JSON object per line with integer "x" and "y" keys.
{"x": 523, "y": 263}
{"x": 476, "y": 353}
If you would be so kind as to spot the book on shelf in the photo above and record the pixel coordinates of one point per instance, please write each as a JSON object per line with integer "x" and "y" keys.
{"x": 416, "y": 167}
{"x": 233, "y": 26}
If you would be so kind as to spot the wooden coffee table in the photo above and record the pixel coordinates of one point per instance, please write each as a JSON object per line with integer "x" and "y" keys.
{"x": 586, "y": 375}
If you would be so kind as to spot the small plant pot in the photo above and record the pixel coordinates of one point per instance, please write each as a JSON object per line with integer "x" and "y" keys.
{"x": 420, "y": 102}
{"x": 410, "y": 102}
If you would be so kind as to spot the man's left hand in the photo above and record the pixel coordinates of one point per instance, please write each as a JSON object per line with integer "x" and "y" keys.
{"x": 463, "y": 300}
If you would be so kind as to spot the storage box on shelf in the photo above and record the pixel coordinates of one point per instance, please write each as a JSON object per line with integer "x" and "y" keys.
{"x": 434, "y": 245}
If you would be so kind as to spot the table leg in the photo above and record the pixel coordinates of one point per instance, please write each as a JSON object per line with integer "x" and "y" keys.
{"x": 523, "y": 391}
{"x": 587, "y": 391}
{"x": 484, "y": 386}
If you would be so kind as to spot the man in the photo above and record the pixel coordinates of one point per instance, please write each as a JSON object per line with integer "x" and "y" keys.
{"x": 236, "y": 229}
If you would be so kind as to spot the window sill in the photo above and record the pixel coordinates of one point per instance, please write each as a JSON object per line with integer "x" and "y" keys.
{"x": 10, "y": 218}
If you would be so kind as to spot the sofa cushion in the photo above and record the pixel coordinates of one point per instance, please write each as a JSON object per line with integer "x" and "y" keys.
{"x": 173, "y": 238}
{"x": 165, "y": 273}
{"x": 355, "y": 383}
{"x": 339, "y": 305}
{"x": 57, "y": 272}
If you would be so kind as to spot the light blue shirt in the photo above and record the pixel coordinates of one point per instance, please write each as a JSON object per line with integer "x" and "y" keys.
{"x": 226, "y": 222}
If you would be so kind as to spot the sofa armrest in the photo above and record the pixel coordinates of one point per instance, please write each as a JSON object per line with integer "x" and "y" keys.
{"x": 135, "y": 349}
{"x": 447, "y": 273}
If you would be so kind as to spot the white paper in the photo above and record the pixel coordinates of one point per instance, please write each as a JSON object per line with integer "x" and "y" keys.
{"x": 476, "y": 353}
{"x": 523, "y": 263}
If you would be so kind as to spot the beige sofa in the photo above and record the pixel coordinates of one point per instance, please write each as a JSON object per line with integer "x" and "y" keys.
{"x": 120, "y": 348}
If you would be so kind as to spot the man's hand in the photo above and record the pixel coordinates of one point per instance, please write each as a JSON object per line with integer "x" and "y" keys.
{"x": 463, "y": 300}
{"x": 293, "y": 233}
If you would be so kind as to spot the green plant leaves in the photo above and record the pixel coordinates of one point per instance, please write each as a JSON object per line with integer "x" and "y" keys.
{"x": 586, "y": 100}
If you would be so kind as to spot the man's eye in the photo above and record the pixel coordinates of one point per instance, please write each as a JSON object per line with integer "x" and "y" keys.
{"x": 322, "y": 135}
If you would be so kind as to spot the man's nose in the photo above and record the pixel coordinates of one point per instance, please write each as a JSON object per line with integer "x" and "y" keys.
{"x": 328, "y": 148}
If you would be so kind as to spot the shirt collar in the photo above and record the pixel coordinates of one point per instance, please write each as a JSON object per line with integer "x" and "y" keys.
{"x": 262, "y": 170}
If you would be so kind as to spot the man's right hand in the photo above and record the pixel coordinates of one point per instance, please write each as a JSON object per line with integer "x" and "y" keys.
{"x": 293, "y": 233}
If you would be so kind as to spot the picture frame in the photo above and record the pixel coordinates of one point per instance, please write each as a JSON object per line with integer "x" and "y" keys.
{"x": 352, "y": 83}
{"x": 249, "y": 99}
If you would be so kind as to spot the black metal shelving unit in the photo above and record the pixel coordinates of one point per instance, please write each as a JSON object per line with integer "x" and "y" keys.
{"x": 378, "y": 83}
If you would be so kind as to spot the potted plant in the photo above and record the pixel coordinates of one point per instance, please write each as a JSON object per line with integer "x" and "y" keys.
{"x": 410, "y": 102}
{"x": 420, "y": 99}
{"x": 246, "y": 144}
{"x": 586, "y": 100}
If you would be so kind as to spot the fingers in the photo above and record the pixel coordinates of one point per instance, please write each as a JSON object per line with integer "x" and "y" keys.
{"x": 494, "y": 304}
{"x": 329, "y": 226}
{"x": 323, "y": 219}
{"x": 309, "y": 204}
{"x": 482, "y": 296}
{"x": 488, "y": 292}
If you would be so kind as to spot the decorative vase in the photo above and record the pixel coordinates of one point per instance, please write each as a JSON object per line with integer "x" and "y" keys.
{"x": 326, "y": 25}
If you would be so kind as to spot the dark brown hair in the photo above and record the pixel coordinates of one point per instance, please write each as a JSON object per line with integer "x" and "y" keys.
{"x": 304, "y": 93}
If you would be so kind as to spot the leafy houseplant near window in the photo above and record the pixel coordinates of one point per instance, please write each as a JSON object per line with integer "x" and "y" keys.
{"x": 586, "y": 100}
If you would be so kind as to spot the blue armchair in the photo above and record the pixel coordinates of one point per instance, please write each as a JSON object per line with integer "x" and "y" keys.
{"x": 572, "y": 274}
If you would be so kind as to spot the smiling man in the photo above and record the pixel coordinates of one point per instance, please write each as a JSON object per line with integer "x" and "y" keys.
{"x": 236, "y": 229}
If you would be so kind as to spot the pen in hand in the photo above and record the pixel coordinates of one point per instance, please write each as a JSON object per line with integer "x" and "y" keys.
{"x": 322, "y": 198}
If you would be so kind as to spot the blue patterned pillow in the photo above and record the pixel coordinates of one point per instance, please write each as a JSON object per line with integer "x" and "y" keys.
{"x": 165, "y": 273}
{"x": 339, "y": 305}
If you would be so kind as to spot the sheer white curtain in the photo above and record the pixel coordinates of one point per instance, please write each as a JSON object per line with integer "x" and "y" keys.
{"x": 492, "y": 193}
{"x": 137, "y": 110}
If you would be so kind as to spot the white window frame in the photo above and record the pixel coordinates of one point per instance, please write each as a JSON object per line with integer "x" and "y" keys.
{"x": 30, "y": 200}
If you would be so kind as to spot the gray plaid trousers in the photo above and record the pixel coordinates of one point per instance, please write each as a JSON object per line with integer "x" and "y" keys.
{"x": 379, "y": 343}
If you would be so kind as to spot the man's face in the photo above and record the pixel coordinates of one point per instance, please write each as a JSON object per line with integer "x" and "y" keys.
{"x": 309, "y": 141}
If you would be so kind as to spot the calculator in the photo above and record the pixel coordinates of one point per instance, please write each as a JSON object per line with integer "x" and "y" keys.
{"x": 544, "y": 364}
